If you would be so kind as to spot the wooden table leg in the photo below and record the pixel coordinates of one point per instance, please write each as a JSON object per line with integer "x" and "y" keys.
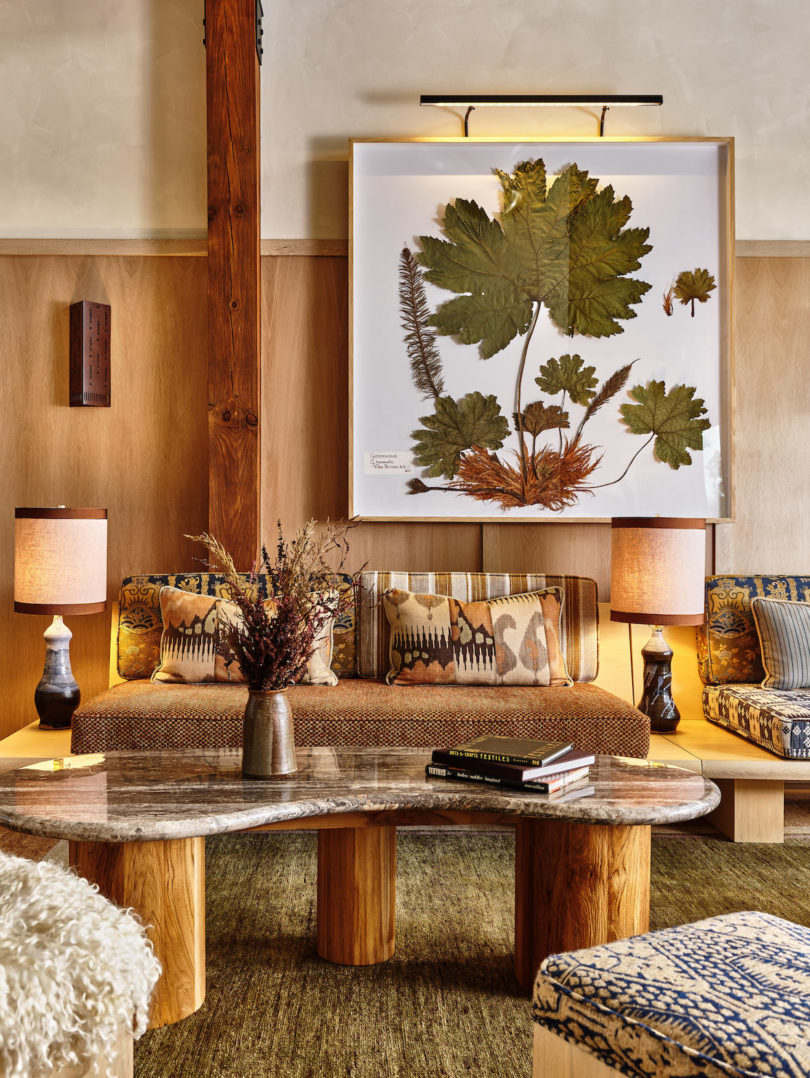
{"x": 577, "y": 885}
{"x": 356, "y": 894}
{"x": 164, "y": 882}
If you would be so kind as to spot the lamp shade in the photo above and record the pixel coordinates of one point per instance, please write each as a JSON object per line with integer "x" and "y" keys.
{"x": 657, "y": 570}
{"x": 60, "y": 561}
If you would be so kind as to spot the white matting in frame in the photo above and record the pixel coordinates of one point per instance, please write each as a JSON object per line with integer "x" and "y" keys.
{"x": 540, "y": 330}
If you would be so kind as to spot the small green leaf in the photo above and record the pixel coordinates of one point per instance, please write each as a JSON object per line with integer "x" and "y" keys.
{"x": 694, "y": 285}
{"x": 539, "y": 417}
{"x": 673, "y": 417}
{"x": 570, "y": 375}
{"x": 456, "y": 426}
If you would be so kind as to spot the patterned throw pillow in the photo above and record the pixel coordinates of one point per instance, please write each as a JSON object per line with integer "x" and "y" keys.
{"x": 783, "y": 628}
{"x": 514, "y": 640}
{"x": 188, "y": 646}
{"x": 319, "y": 664}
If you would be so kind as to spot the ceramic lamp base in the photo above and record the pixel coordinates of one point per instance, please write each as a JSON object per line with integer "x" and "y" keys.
{"x": 656, "y": 700}
{"x": 57, "y": 696}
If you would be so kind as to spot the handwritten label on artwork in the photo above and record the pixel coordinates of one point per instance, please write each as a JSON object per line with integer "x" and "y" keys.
{"x": 393, "y": 463}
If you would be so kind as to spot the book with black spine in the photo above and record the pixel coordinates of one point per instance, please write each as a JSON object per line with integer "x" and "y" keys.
{"x": 530, "y": 752}
{"x": 568, "y": 778}
{"x": 516, "y": 772}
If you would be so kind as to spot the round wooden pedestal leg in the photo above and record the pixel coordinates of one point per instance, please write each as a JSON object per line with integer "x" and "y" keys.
{"x": 164, "y": 882}
{"x": 356, "y": 894}
{"x": 577, "y": 885}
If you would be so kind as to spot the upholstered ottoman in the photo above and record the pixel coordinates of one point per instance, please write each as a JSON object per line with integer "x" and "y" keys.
{"x": 725, "y": 996}
{"x": 76, "y": 974}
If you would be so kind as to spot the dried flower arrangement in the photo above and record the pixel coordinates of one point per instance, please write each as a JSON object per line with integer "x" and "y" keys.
{"x": 273, "y": 638}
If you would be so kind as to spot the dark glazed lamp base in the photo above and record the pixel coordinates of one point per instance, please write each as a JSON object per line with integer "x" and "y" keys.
{"x": 55, "y": 707}
{"x": 656, "y": 700}
{"x": 57, "y": 696}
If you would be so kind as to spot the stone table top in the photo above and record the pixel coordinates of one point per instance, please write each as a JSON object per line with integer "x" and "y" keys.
{"x": 141, "y": 796}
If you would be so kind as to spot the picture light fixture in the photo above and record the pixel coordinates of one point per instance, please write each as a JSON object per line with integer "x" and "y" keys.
{"x": 473, "y": 101}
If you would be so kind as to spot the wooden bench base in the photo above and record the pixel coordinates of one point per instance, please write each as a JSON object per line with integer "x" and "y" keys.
{"x": 556, "y": 1058}
{"x": 752, "y": 810}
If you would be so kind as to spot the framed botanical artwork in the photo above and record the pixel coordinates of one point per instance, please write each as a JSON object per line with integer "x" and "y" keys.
{"x": 541, "y": 330}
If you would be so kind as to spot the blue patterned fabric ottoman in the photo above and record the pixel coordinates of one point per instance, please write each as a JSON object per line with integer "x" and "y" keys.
{"x": 725, "y": 996}
{"x": 776, "y": 719}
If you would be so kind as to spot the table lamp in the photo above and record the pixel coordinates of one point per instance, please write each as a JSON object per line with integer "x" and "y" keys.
{"x": 60, "y": 567}
{"x": 657, "y": 572}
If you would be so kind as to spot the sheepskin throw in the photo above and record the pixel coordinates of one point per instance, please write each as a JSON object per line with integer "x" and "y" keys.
{"x": 74, "y": 969}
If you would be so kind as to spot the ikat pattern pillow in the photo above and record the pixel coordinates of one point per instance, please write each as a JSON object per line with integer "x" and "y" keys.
{"x": 188, "y": 645}
{"x": 438, "y": 640}
{"x": 192, "y": 625}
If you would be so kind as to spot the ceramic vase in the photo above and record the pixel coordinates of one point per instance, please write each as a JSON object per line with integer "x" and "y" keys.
{"x": 268, "y": 746}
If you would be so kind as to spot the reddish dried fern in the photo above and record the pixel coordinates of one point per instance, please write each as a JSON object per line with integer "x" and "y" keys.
{"x": 553, "y": 480}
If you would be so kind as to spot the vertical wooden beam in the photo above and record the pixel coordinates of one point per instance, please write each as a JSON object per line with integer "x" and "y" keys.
{"x": 234, "y": 348}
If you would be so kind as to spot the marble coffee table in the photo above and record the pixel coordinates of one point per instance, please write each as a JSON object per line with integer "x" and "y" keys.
{"x": 136, "y": 822}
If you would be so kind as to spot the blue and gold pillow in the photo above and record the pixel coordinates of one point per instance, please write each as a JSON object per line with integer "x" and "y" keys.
{"x": 727, "y": 643}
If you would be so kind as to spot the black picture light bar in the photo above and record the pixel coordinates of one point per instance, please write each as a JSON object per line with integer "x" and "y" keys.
{"x": 460, "y": 100}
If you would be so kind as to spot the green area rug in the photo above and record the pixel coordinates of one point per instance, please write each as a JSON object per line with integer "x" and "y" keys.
{"x": 446, "y": 1005}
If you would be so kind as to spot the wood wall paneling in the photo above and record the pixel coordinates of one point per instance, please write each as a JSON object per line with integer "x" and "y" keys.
{"x": 580, "y": 549}
{"x": 234, "y": 348}
{"x": 144, "y": 458}
{"x": 772, "y": 458}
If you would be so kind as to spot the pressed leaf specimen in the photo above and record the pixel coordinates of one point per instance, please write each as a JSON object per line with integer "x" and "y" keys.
{"x": 560, "y": 248}
{"x": 691, "y": 285}
{"x": 456, "y": 426}
{"x": 420, "y": 340}
{"x": 673, "y": 418}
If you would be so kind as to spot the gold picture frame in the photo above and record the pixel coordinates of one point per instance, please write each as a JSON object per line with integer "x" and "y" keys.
{"x": 704, "y": 166}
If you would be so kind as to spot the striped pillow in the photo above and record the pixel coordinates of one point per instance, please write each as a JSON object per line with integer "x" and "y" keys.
{"x": 783, "y": 628}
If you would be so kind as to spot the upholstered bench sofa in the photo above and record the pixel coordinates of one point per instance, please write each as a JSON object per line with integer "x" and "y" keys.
{"x": 138, "y": 713}
{"x": 730, "y": 661}
{"x": 725, "y": 997}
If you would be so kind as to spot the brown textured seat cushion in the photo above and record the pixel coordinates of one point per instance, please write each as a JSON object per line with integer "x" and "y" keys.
{"x": 148, "y": 715}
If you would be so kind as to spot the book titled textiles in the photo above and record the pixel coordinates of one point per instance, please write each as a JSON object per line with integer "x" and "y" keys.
{"x": 512, "y": 750}
{"x": 516, "y": 772}
{"x": 551, "y": 785}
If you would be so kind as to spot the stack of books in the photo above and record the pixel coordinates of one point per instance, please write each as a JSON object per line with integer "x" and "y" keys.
{"x": 543, "y": 767}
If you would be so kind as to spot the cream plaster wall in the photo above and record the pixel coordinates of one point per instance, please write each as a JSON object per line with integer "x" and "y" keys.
{"x": 102, "y": 114}
{"x": 102, "y": 102}
{"x": 337, "y": 68}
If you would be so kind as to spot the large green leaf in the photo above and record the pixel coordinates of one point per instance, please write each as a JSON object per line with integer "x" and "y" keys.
{"x": 478, "y": 265}
{"x": 596, "y": 293}
{"x": 673, "y": 417}
{"x": 564, "y": 246}
{"x": 456, "y": 426}
{"x": 568, "y": 374}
